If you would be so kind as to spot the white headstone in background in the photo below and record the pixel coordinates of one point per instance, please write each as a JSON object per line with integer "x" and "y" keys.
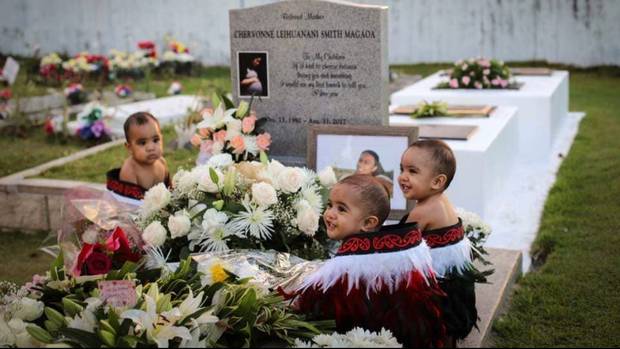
{"x": 312, "y": 62}
{"x": 10, "y": 70}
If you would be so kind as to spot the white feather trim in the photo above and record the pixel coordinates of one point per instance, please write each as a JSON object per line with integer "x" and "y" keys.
{"x": 388, "y": 268}
{"x": 453, "y": 256}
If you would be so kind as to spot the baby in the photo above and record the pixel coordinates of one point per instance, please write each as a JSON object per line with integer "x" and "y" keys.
{"x": 379, "y": 278}
{"x": 427, "y": 168}
{"x": 145, "y": 167}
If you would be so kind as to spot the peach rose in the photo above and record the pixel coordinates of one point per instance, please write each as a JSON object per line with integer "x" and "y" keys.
{"x": 204, "y": 132}
{"x": 263, "y": 141}
{"x": 238, "y": 144}
{"x": 220, "y": 136}
{"x": 206, "y": 112}
{"x": 196, "y": 140}
{"x": 248, "y": 124}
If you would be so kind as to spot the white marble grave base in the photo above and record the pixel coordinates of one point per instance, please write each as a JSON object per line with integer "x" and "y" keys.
{"x": 516, "y": 218}
{"x": 484, "y": 161}
{"x": 168, "y": 110}
{"x": 542, "y": 103}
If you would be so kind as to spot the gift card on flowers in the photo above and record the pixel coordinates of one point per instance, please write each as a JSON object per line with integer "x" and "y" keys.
{"x": 118, "y": 293}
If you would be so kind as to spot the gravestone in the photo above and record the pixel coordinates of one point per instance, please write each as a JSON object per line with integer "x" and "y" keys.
{"x": 310, "y": 62}
{"x": 10, "y": 70}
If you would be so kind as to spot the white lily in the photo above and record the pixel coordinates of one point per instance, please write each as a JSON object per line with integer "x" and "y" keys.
{"x": 218, "y": 119}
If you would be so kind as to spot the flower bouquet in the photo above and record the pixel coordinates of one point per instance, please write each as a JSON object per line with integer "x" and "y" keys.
{"x": 50, "y": 68}
{"x": 429, "y": 110}
{"x": 75, "y": 93}
{"x": 130, "y": 65}
{"x": 91, "y": 123}
{"x": 177, "y": 58}
{"x": 86, "y": 64}
{"x": 229, "y": 130}
{"x": 148, "y": 48}
{"x": 123, "y": 90}
{"x": 479, "y": 74}
{"x": 251, "y": 205}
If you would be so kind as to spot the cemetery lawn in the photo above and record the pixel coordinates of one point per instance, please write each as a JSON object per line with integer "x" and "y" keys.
{"x": 94, "y": 167}
{"x": 20, "y": 257}
{"x": 573, "y": 299}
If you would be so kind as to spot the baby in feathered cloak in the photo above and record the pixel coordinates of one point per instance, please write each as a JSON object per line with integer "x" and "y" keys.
{"x": 380, "y": 278}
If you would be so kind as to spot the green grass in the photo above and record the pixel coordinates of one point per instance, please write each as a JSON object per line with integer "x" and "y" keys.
{"x": 20, "y": 257}
{"x": 573, "y": 299}
{"x": 94, "y": 168}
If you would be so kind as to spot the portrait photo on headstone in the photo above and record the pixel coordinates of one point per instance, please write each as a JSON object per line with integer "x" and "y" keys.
{"x": 253, "y": 71}
{"x": 363, "y": 150}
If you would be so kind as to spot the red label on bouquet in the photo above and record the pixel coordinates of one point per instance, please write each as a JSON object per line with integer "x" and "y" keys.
{"x": 118, "y": 293}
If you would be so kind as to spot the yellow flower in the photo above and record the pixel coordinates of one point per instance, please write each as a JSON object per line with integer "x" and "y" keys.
{"x": 213, "y": 270}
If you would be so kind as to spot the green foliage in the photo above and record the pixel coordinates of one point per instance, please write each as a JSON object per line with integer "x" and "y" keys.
{"x": 427, "y": 110}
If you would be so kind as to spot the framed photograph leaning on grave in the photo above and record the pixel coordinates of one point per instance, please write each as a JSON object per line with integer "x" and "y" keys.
{"x": 253, "y": 74}
{"x": 372, "y": 150}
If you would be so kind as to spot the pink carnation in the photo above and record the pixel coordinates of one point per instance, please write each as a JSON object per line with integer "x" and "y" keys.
{"x": 238, "y": 144}
{"x": 248, "y": 124}
{"x": 220, "y": 136}
{"x": 495, "y": 82}
{"x": 207, "y": 147}
{"x": 465, "y": 80}
{"x": 485, "y": 63}
{"x": 477, "y": 85}
{"x": 454, "y": 83}
{"x": 263, "y": 141}
{"x": 503, "y": 83}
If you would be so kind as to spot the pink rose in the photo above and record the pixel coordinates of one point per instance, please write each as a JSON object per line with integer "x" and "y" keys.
{"x": 485, "y": 63}
{"x": 219, "y": 136}
{"x": 465, "y": 80}
{"x": 495, "y": 82}
{"x": 206, "y": 147}
{"x": 503, "y": 83}
{"x": 238, "y": 144}
{"x": 486, "y": 72}
{"x": 454, "y": 83}
{"x": 248, "y": 124}
{"x": 204, "y": 132}
{"x": 196, "y": 140}
{"x": 477, "y": 85}
{"x": 263, "y": 141}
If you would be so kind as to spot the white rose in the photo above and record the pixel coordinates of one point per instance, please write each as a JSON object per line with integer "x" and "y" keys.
{"x": 264, "y": 194}
{"x": 213, "y": 218}
{"x": 27, "y": 309}
{"x": 275, "y": 168}
{"x": 327, "y": 177}
{"x": 155, "y": 234}
{"x": 155, "y": 199}
{"x": 220, "y": 161}
{"x": 183, "y": 182}
{"x": 307, "y": 220}
{"x": 23, "y": 339}
{"x": 207, "y": 184}
{"x": 90, "y": 235}
{"x": 179, "y": 224}
{"x": 290, "y": 179}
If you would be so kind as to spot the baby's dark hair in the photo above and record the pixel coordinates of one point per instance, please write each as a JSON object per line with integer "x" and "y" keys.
{"x": 375, "y": 196}
{"x": 442, "y": 156}
{"x": 139, "y": 118}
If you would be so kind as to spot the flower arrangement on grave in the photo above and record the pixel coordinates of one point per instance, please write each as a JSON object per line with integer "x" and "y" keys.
{"x": 130, "y": 65}
{"x": 253, "y": 205}
{"x": 54, "y": 125}
{"x": 75, "y": 93}
{"x": 91, "y": 123}
{"x": 148, "y": 48}
{"x": 177, "y": 58}
{"x": 477, "y": 231}
{"x": 479, "y": 73}
{"x": 85, "y": 63}
{"x": 50, "y": 68}
{"x": 5, "y": 95}
{"x": 235, "y": 131}
{"x": 123, "y": 90}
{"x": 429, "y": 110}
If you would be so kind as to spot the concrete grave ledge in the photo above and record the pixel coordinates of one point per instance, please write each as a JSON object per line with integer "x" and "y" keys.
{"x": 492, "y": 299}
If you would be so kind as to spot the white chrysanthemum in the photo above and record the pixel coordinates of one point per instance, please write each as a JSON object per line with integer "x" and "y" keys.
{"x": 290, "y": 179}
{"x": 220, "y": 161}
{"x": 213, "y": 270}
{"x": 184, "y": 182}
{"x": 213, "y": 218}
{"x": 313, "y": 198}
{"x": 264, "y": 194}
{"x": 179, "y": 224}
{"x": 155, "y": 234}
{"x": 155, "y": 258}
{"x": 256, "y": 221}
{"x": 27, "y": 309}
{"x": 155, "y": 199}
{"x": 214, "y": 240}
{"x": 327, "y": 177}
{"x": 218, "y": 119}
{"x": 250, "y": 145}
